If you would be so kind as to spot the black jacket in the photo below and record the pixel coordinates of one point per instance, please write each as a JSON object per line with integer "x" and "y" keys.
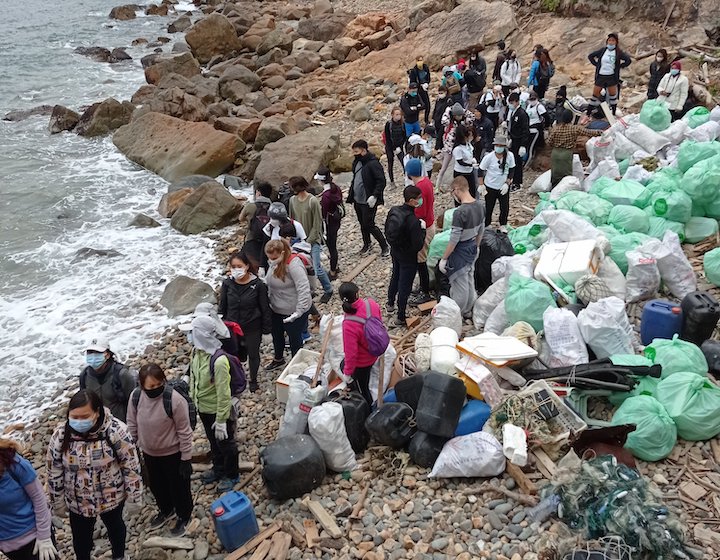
{"x": 475, "y": 81}
{"x": 245, "y": 303}
{"x": 373, "y": 176}
{"x": 411, "y": 107}
{"x": 519, "y": 128}
{"x": 441, "y": 106}
{"x": 404, "y": 233}
{"x": 419, "y": 76}
{"x": 622, "y": 60}
{"x": 395, "y": 135}
{"x": 484, "y": 133}
{"x": 657, "y": 71}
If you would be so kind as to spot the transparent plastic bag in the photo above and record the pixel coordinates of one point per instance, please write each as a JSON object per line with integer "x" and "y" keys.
{"x": 447, "y": 313}
{"x": 643, "y": 277}
{"x": 676, "y": 355}
{"x": 562, "y": 334}
{"x": 605, "y": 327}
{"x": 526, "y": 300}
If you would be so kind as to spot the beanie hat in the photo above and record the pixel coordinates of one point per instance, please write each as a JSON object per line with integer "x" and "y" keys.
{"x": 457, "y": 110}
{"x": 677, "y": 65}
{"x": 414, "y": 168}
{"x": 277, "y": 211}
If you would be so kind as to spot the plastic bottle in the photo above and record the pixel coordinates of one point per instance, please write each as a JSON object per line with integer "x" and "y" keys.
{"x": 547, "y": 507}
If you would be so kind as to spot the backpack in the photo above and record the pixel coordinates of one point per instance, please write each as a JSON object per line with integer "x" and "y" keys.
{"x": 238, "y": 382}
{"x": 235, "y": 345}
{"x": 115, "y": 381}
{"x": 179, "y": 386}
{"x": 394, "y": 231}
{"x": 284, "y": 195}
{"x": 259, "y": 220}
{"x": 452, "y": 85}
{"x": 376, "y": 334}
{"x": 305, "y": 259}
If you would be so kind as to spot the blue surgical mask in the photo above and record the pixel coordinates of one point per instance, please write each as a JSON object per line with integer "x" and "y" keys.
{"x": 499, "y": 149}
{"x": 412, "y": 93}
{"x": 81, "y": 426}
{"x": 674, "y": 71}
{"x": 611, "y": 47}
{"x": 95, "y": 360}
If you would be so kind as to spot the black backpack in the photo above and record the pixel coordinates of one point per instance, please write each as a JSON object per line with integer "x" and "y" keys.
{"x": 179, "y": 386}
{"x": 284, "y": 195}
{"x": 260, "y": 219}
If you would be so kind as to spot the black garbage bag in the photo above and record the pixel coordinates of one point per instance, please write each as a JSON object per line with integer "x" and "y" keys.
{"x": 494, "y": 244}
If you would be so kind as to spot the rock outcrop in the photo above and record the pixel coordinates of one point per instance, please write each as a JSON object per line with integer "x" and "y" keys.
{"x": 183, "y": 64}
{"x": 62, "y": 119}
{"x": 144, "y": 221}
{"x": 324, "y": 27}
{"x": 207, "y": 207}
{"x": 213, "y": 35}
{"x": 183, "y": 293}
{"x": 104, "y": 117}
{"x": 124, "y": 12}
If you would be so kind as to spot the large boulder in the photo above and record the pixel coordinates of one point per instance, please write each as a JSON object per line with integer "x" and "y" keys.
{"x": 144, "y": 221}
{"x": 178, "y": 103}
{"x": 211, "y": 36}
{"x": 189, "y": 182}
{"x": 246, "y": 129}
{"x": 209, "y": 206}
{"x": 62, "y": 118}
{"x": 300, "y": 154}
{"x": 423, "y": 10}
{"x": 157, "y": 10}
{"x": 171, "y": 201}
{"x": 124, "y": 12}
{"x": 237, "y": 81}
{"x": 22, "y": 114}
{"x": 324, "y": 27}
{"x": 278, "y": 38}
{"x": 174, "y": 148}
{"x": 272, "y": 129}
{"x": 104, "y": 117}
{"x": 98, "y": 54}
{"x": 183, "y": 64}
{"x": 183, "y": 23}
{"x": 182, "y": 295}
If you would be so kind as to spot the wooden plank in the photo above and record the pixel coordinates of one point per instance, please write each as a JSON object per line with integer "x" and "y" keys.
{"x": 427, "y": 307}
{"x": 279, "y": 546}
{"x": 715, "y": 446}
{"x": 670, "y": 11}
{"x": 261, "y": 551}
{"x": 367, "y": 261}
{"x": 523, "y": 482}
{"x": 169, "y": 543}
{"x": 412, "y": 321}
{"x": 253, "y": 543}
{"x": 546, "y": 462}
{"x": 692, "y": 490}
{"x": 608, "y": 114}
{"x": 245, "y": 481}
{"x": 324, "y": 518}
{"x": 311, "y": 532}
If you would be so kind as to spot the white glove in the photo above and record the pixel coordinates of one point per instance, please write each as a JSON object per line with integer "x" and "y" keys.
{"x": 522, "y": 151}
{"x": 326, "y": 187}
{"x": 504, "y": 189}
{"x": 423, "y": 224}
{"x": 60, "y": 508}
{"x": 261, "y": 273}
{"x": 443, "y": 266}
{"x": 397, "y": 150}
{"x": 221, "y": 433}
{"x": 291, "y": 318}
{"x": 425, "y": 86}
{"x": 474, "y": 161}
{"x": 132, "y": 509}
{"x": 45, "y": 550}
{"x": 371, "y": 201}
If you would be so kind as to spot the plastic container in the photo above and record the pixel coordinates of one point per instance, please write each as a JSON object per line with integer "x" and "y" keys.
{"x": 711, "y": 350}
{"x": 234, "y": 519}
{"x": 292, "y": 466}
{"x": 443, "y": 353}
{"x": 660, "y": 319}
{"x": 408, "y": 390}
{"x": 472, "y": 417}
{"x": 424, "y": 449}
{"x": 355, "y": 411}
{"x": 700, "y": 317}
{"x": 561, "y": 419}
{"x": 567, "y": 261}
{"x": 282, "y": 384}
{"x": 391, "y": 425}
{"x": 440, "y": 405}
{"x": 390, "y": 396}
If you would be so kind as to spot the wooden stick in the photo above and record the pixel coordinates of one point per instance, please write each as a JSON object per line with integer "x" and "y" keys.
{"x": 359, "y": 268}
{"x": 311, "y": 532}
{"x": 279, "y": 546}
{"x": 321, "y": 359}
{"x": 324, "y": 518}
{"x": 381, "y": 382}
{"x": 261, "y": 551}
{"x": 519, "y": 498}
{"x": 253, "y": 543}
{"x": 412, "y": 332}
{"x": 715, "y": 446}
{"x": 360, "y": 503}
{"x": 667, "y": 17}
{"x": 703, "y": 483}
{"x": 248, "y": 477}
{"x": 525, "y": 484}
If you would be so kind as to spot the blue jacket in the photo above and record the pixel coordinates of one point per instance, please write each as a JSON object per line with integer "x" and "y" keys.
{"x": 534, "y": 72}
{"x": 17, "y": 514}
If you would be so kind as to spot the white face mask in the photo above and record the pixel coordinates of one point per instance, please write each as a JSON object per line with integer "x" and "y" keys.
{"x": 238, "y": 272}
{"x": 659, "y": 58}
{"x": 275, "y": 261}
{"x": 275, "y": 223}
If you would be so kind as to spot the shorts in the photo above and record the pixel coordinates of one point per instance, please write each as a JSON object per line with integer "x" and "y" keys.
{"x": 606, "y": 81}
{"x": 429, "y": 234}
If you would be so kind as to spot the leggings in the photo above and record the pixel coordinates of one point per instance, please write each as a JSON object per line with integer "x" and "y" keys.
{"x": 253, "y": 338}
{"x": 332, "y": 227}
{"x": 490, "y": 198}
{"x": 361, "y": 381}
{"x": 391, "y": 155}
{"x": 83, "y": 529}
{"x": 426, "y": 100}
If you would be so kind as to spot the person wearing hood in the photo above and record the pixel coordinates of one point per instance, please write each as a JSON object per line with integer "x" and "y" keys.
{"x": 394, "y": 137}
{"x": 417, "y": 148}
{"x": 103, "y": 374}
{"x": 607, "y": 61}
{"x": 412, "y": 105}
{"x": 25, "y": 518}
{"x": 510, "y": 72}
{"x": 366, "y": 192}
{"x": 255, "y": 216}
{"x": 93, "y": 470}
{"x": 496, "y": 168}
{"x": 658, "y": 68}
{"x": 454, "y": 116}
{"x": 244, "y": 300}
{"x": 519, "y": 131}
{"x": 453, "y": 82}
{"x": 673, "y": 90}
{"x": 333, "y": 211}
{"x": 478, "y": 63}
{"x": 166, "y": 444}
{"x": 420, "y": 74}
{"x": 210, "y": 391}
{"x": 484, "y": 132}
{"x": 278, "y": 216}
{"x": 442, "y": 103}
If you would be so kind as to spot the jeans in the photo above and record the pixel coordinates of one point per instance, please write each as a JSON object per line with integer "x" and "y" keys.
{"x": 322, "y": 276}
{"x": 401, "y": 282}
{"x": 490, "y": 198}
{"x": 83, "y": 528}
{"x": 224, "y": 453}
{"x": 462, "y": 288}
{"x": 366, "y": 218}
{"x": 331, "y": 229}
{"x": 294, "y": 332}
{"x": 412, "y": 128}
{"x": 391, "y": 155}
{"x": 171, "y": 491}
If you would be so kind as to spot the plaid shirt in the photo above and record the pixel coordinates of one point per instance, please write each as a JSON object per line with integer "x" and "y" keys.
{"x": 566, "y": 135}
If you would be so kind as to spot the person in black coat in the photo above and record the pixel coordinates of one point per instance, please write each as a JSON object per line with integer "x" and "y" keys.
{"x": 395, "y": 137}
{"x": 406, "y": 235}
{"x": 658, "y": 68}
{"x": 484, "y": 132}
{"x": 518, "y": 124}
{"x": 420, "y": 74}
{"x": 442, "y": 103}
{"x": 607, "y": 62}
{"x": 366, "y": 192}
{"x": 412, "y": 104}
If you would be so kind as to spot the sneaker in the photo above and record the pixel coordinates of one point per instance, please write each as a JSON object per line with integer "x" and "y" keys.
{"x": 160, "y": 519}
{"x": 390, "y": 308}
{"x": 398, "y": 323}
{"x": 253, "y": 386}
{"x": 365, "y": 250}
{"x": 227, "y": 484}
{"x": 326, "y": 297}
{"x": 515, "y": 188}
{"x": 275, "y": 364}
{"x": 385, "y": 252}
{"x": 306, "y": 336}
{"x": 179, "y": 529}
{"x": 209, "y": 477}
{"x": 503, "y": 229}
{"x": 421, "y": 298}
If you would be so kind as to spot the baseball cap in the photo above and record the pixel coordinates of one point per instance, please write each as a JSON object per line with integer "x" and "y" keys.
{"x": 98, "y": 344}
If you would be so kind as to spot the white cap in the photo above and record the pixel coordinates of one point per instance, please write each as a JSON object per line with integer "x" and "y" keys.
{"x": 415, "y": 139}
{"x": 98, "y": 344}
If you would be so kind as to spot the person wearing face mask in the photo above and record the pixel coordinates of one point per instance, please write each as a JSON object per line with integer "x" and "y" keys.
{"x": 518, "y": 125}
{"x": 412, "y": 104}
{"x": 394, "y": 137}
{"x": 442, "y": 103}
{"x": 673, "y": 90}
{"x": 475, "y": 83}
{"x": 278, "y": 216}
{"x": 417, "y": 148}
{"x": 510, "y": 72}
{"x": 537, "y": 118}
{"x": 607, "y": 62}
{"x": 93, "y": 470}
{"x": 255, "y": 215}
{"x": 244, "y": 300}
{"x": 494, "y": 102}
{"x": 658, "y": 68}
{"x": 111, "y": 380}
{"x": 333, "y": 211}
{"x": 484, "y": 132}
{"x": 496, "y": 169}
{"x": 425, "y": 212}
{"x": 406, "y": 235}
{"x": 420, "y": 75}
{"x": 166, "y": 444}
{"x": 478, "y": 63}
{"x": 454, "y": 117}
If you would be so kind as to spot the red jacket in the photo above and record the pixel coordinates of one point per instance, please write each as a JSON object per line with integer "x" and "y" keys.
{"x": 355, "y": 345}
{"x": 427, "y": 210}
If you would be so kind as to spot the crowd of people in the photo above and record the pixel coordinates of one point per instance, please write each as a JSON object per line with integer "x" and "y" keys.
{"x": 124, "y": 431}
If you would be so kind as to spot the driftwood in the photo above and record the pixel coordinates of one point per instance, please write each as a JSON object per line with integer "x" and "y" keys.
{"x": 519, "y": 498}
{"x": 670, "y": 11}
{"x": 697, "y": 54}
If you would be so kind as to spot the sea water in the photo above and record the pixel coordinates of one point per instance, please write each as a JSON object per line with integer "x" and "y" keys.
{"x": 63, "y": 193}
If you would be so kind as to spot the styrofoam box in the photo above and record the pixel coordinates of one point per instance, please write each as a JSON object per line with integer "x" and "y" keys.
{"x": 282, "y": 384}
{"x": 567, "y": 261}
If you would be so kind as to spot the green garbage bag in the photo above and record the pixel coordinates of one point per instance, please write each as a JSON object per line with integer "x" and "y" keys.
{"x": 697, "y": 116}
{"x": 662, "y": 182}
{"x": 593, "y": 208}
{"x": 609, "y": 231}
{"x": 658, "y": 227}
{"x": 711, "y": 265}
{"x": 544, "y": 204}
{"x": 628, "y": 219}
{"x": 655, "y": 434}
{"x": 702, "y": 179}
{"x": 692, "y": 152}
{"x": 526, "y": 300}
{"x": 437, "y": 247}
{"x": 630, "y": 360}
{"x": 675, "y": 206}
{"x": 698, "y": 209}
{"x": 627, "y": 192}
{"x": 676, "y": 355}
{"x": 655, "y": 114}
{"x": 447, "y": 218}
{"x": 601, "y": 184}
{"x": 570, "y": 199}
{"x": 526, "y": 238}
{"x": 621, "y": 244}
{"x": 646, "y": 385}
{"x": 699, "y": 228}
{"x": 693, "y": 402}
{"x": 623, "y": 166}
{"x": 711, "y": 209}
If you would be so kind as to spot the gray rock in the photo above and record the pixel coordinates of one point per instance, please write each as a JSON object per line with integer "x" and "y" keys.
{"x": 494, "y": 520}
{"x": 190, "y": 181}
{"x": 439, "y": 544}
{"x": 62, "y": 119}
{"x": 182, "y": 295}
{"x": 144, "y": 221}
{"x": 22, "y": 114}
{"x": 202, "y": 549}
{"x": 102, "y": 118}
{"x": 360, "y": 113}
{"x": 208, "y": 206}
{"x": 87, "y": 252}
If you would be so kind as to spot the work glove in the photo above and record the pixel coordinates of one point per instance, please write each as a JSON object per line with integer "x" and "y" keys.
{"x": 132, "y": 509}
{"x": 443, "y": 266}
{"x": 423, "y": 224}
{"x": 504, "y": 189}
{"x": 261, "y": 273}
{"x": 291, "y": 318}
{"x": 397, "y": 150}
{"x": 60, "y": 508}
{"x": 371, "y": 201}
{"x": 425, "y": 86}
{"x": 221, "y": 433}
{"x": 522, "y": 151}
{"x": 45, "y": 550}
{"x": 186, "y": 469}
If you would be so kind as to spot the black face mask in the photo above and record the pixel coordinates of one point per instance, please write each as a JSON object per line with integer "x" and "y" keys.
{"x": 156, "y": 392}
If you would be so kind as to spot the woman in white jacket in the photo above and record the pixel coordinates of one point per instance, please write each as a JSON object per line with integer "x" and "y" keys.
{"x": 510, "y": 72}
{"x": 673, "y": 90}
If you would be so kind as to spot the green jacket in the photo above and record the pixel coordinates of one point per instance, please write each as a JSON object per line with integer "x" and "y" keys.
{"x": 210, "y": 396}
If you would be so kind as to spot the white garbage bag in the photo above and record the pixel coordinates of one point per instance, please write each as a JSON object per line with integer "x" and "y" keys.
{"x": 389, "y": 361}
{"x": 471, "y": 456}
{"x": 327, "y": 428}
{"x": 498, "y": 321}
{"x": 624, "y": 148}
{"x": 567, "y": 226}
{"x": 542, "y": 183}
{"x": 610, "y": 273}
{"x": 523, "y": 265}
{"x": 676, "y": 271}
{"x": 607, "y": 167}
{"x": 715, "y": 113}
{"x": 301, "y": 400}
{"x": 675, "y": 133}
{"x": 566, "y": 184}
{"x": 646, "y": 138}
{"x": 599, "y": 148}
{"x": 562, "y": 336}
{"x": 643, "y": 277}
{"x": 447, "y": 313}
{"x": 488, "y": 301}
{"x": 577, "y": 168}
{"x": 605, "y": 327}
{"x": 638, "y": 173}
{"x": 706, "y": 132}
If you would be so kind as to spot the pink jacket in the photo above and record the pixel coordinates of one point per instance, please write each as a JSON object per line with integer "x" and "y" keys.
{"x": 355, "y": 345}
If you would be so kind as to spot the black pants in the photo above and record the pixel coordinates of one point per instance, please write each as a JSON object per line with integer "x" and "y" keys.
{"x": 542, "y": 87}
{"x": 253, "y": 338}
{"x": 224, "y": 453}
{"x": 677, "y": 115}
{"x": 490, "y": 198}
{"x": 471, "y": 179}
{"x": 366, "y": 218}
{"x": 426, "y": 101}
{"x": 391, "y": 155}
{"x": 494, "y": 118}
{"x": 171, "y": 491}
{"x": 361, "y": 382}
{"x": 83, "y": 529}
{"x": 506, "y": 90}
{"x": 331, "y": 229}
{"x": 401, "y": 281}
{"x": 424, "y": 277}
{"x": 293, "y": 330}
{"x": 519, "y": 163}
{"x": 537, "y": 139}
